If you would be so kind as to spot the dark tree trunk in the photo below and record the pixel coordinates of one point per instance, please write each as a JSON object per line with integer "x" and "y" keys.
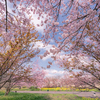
{"x": 7, "y": 91}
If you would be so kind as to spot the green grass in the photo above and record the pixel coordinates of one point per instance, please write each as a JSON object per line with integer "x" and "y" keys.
{"x": 87, "y": 90}
{"x": 32, "y": 88}
{"x": 30, "y": 96}
{"x": 96, "y": 90}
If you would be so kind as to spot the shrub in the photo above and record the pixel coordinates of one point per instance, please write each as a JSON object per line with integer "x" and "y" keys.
{"x": 24, "y": 87}
{"x": 32, "y": 88}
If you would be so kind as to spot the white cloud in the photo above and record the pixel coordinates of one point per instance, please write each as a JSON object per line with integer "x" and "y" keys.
{"x": 51, "y": 41}
{"x": 37, "y": 20}
{"x": 40, "y": 45}
{"x": 47, "y": 57}
{"x": 53, "y": 72}
{"x": 9, "y": 7}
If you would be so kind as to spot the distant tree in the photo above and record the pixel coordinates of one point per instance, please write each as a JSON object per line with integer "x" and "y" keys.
{"x": 84, "y": 70}
{"x": 37, "y": 76}
{"x": 19, "y": 76}
{"x": 53, "y": 82}
{"x": 30, "y": 76}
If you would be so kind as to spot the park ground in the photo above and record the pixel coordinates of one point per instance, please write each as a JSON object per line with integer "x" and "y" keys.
{"x": 26, "y": 94}
{"x": 33, "y": 96}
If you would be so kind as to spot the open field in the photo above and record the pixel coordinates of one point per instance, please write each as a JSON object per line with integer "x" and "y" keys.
{"x": 30, "y": 96}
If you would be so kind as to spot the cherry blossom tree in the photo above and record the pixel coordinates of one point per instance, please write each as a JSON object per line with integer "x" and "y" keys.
{"x": 87, "y": 81}
{"x": 20, "y": 75}
{"x": 37, "y": 76}
{"x": 82, "y": 69}
{"x": 77, "y": 34}
{"x": 17, "y": 39}
{"x": 16, "y": 51}
{"x": 79, "y": 31}
{"x": 31, "y": 76}
{"x": 51, "y": 82}
{"x": 48, "y": 82}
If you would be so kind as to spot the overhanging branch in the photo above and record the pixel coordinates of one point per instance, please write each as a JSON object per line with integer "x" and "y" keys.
{"x": 6, "y": 13}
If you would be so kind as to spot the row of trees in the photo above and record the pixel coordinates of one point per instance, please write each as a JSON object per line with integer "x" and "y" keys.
{"x": 74, "y": 25}
{"x": 31, "y": 76}
{"x": 16, "y": 65}
{"x": 70, "y": 82}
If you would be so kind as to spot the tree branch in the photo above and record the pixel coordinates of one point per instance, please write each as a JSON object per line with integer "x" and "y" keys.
{"x": 6, "y": 13}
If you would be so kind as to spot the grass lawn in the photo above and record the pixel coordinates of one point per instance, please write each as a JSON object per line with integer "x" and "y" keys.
{"x": 30, "y": 96}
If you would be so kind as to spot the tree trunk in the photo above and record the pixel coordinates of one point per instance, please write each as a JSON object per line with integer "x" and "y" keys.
{"x": 7, "y": 91}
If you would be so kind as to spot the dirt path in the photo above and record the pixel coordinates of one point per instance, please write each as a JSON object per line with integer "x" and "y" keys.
{"x": 82, "y": 94}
